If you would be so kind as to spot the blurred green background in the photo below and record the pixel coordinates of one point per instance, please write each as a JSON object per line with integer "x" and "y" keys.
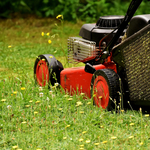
{"x": 72, "y": 10}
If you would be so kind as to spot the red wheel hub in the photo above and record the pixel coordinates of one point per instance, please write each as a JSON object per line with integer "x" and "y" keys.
{"x": 101, "y": 92}
{"x": 42, "y": 73}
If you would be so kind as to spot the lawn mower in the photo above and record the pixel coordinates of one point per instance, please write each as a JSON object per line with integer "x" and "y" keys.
{"x": 116, "y": 55}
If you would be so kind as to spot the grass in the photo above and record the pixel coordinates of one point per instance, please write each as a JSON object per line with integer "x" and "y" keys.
{"x": 39, "y": 118}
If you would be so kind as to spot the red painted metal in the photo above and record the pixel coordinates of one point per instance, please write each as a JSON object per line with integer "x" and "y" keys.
{"x": 101, "y": 92}
{"x": 76, "y": 80}
{"x": 42, "y": 73}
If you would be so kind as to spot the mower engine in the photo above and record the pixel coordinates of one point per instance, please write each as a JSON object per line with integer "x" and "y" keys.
{"x": 87, "y": 48}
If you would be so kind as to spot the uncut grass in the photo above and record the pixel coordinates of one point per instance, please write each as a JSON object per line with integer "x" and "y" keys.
{"x": 32, "y": 118}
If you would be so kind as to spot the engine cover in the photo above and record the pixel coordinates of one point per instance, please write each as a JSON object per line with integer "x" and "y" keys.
{"x": 105, "y": 25}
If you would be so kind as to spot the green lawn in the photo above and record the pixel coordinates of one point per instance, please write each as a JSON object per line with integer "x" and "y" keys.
{"x": 39, "y": 118}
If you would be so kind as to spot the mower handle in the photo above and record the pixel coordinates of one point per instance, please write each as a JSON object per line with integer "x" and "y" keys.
{"x": 129, "y": 14}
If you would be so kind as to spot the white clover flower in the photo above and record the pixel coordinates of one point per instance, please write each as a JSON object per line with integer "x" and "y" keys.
{"x": 9, "y": 106}
{"x": 40, "y": 88}
{"x": 41, "y": 94}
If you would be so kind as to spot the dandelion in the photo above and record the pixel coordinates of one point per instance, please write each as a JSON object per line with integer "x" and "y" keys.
{"x": 38, "y": 149}
{"x": 79, "y": 103}
{"x": 3, "y": 100}
{"x": 104, "y": 142}
{"x": 96, "y": 144}
{"x": 81, "y": 148}
{"x": 35, "y": 112}
{"x": 9, "y": 46}
{"x": 23, "y": 88}
{"x": 64, "y": 138}
{"x": 48, "y": 34}
{"x": 87, "y": 141}
{"x": 113, "y": 137}
{"x": 84, "y": 132}
{"x": 14, "y": 147}
{"x": 9, "y": 107}
{"x": 141, "y": 143}
{"x": 81, "y": 145}
{"x": 27, "y": 106}
{"x": 37, "y": 102}
{"x": 69, "y": 99}
{"x": 41, "y": 94}
{"x": 146, "y": 115}
{"x": 15, "y": 92}
{"x": 88, "y": 103}
{"x": 81, "y": 112}
{"x": 101, "y": 126}
{"x": 130, "y": 137}
{"x": 59, "y": 17}
{"x": 50, "y": 56}
{"x": 49, "y": 41}
{"x": 30, "y": 101}
{"x": 42, "y": 33}
{"x": 80, "y": 140}
{"x": 68, "y": 126}
{"x": 24, "y": 122}
{"x": 40, "y": 88}
{"x": 19, "y": 149}
{"x": 131, "y": 124}
{"x": 82, "y": 94}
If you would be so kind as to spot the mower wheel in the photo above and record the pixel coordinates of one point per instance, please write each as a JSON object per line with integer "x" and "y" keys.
{"x": 47, "y": 70}
{"x": 104, "y": 88}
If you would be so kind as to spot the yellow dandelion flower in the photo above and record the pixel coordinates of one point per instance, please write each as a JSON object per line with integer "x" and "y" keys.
{"x": 101, "y": 126}
{"x": 80, "y": 140}
{"x": 9, "y": 46}
{"x": 48, "y": 34}
{"x": 68, "y": 126}
{"x": 38, "y": 149}
{"x": 14, "y": 147}
{"x": 49, "y": 41}
{"x": 3, "y": 100}
{"x": 69, "y": 99}
{"x": 11, "y": 94}
{"x": 113, "y": 137}
{"x": 81, "y": 148}
{"x": 64, "y": 138}
{"x": 87, "y": 141}
{"x": 81, "y": 112}
{"x": 35, "y": 112}
{"x": 50, "y": 56}
{"x": 37, "y": 102}
{"x": 27, "y": 106}
{"x": 19, "y": 149}
{"x": 130, "y": 137}
{"x": 15, "y": 92}
{"x": 141, "y": 143}
{"x": 23, "y": 88}
{"x": 131, "y": 124}
{"x": 84, "y": 132}
{"x": 79, "y": 103}
{"x": 146, "y": 115}
{"x": 30, "y": 101}
{"x": 81, "y": 145}
{"x": 104, "y": 142}
{"x": 42, "y": 33}
{"x": 96, "y": 144}
{"x": 59, "y": 16}
{"x": 24, "y": 122}
{"x": 88, "y": 103}
{"x": 66, "y": 95}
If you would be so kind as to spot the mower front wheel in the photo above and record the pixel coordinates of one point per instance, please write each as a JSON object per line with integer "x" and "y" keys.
{"x": 47, "y": 70}
{"x": 104, "y": 88}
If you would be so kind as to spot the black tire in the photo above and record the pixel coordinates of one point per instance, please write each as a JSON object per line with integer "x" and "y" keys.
{"x": 105, "y": 88}
{"x": 47, "y": 70}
